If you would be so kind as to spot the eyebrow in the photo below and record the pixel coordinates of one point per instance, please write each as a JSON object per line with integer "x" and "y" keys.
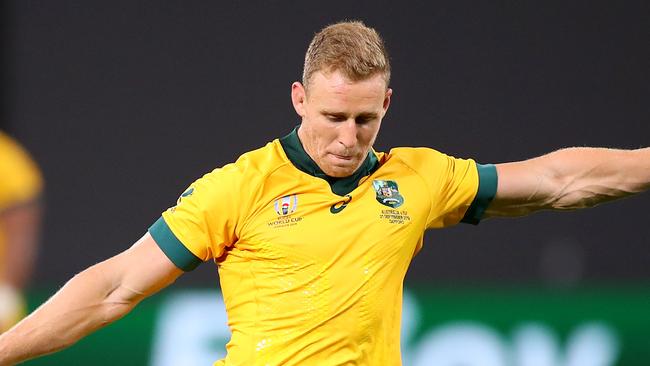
{"x": 340, "y": 114}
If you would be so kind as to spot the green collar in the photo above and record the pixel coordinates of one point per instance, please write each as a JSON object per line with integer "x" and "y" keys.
{"x": 341, "y": 186}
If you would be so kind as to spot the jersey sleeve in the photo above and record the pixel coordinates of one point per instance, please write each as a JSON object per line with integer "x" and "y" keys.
{"x": 460, "y": 189}
{"x": 487, "y": 189}
{"x": 204, "y": 221}
{"x": 20, "y": 178}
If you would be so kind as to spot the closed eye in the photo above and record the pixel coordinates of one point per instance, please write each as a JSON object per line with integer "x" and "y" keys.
{"x": 360, "y": 119}
{"x": 335, "y": 117}
{"x": 363, "y": 120}
{"x": 366, "y": 118}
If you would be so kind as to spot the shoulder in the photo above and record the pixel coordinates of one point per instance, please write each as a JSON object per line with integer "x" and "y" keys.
{"x": 418, "y": 158}
{"x": 414, "y": 152}
{"x": 433, "y": 165}
{"x": 251, "y": 167}
{"x": 262, "y": 160}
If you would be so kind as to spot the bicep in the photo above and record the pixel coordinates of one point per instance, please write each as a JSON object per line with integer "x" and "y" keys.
{"x": 140, "y": 271}
{"x": 523, "y": 187}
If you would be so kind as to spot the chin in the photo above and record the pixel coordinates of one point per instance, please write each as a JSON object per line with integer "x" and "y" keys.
{"x": 339, "y": 169}
{"x": 340, "y": 172}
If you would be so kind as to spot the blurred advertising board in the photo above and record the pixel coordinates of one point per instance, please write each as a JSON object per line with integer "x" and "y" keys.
{"x": 443, "y": 327}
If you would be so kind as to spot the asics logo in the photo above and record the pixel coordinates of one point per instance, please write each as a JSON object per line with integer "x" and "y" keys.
{"x": 339, "y": 206}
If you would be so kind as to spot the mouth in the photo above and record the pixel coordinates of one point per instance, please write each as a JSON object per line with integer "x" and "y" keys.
{"x": 340, "y": 165}
{"x": 343, "y": 157}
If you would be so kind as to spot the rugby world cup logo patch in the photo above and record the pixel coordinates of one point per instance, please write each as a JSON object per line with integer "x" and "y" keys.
{"x": 286, "y": 205}
{"x": 387, "y": 193}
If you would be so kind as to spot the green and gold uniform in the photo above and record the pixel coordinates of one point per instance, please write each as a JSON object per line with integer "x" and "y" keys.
{"x": 311, "y": 267}
{"x": 20, "y": 183}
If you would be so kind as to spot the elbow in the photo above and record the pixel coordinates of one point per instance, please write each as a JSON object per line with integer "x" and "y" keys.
{"x": 566, "y": 193}
{"x": 119, "y": 302}
{"x": 109, "y": 302}
{"x": 573, "y": 191}
{"x": 572, "y": 201}
{"x": 115, "y": 310}
{"x": 587, "y": 197}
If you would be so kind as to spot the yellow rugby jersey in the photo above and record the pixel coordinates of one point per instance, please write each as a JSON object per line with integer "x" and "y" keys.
{"x": 311, "y": 267}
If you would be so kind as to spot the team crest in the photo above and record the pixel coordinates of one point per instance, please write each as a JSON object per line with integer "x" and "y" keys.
{"x": 388, "y": 193}
{"x": 286, "y": 205}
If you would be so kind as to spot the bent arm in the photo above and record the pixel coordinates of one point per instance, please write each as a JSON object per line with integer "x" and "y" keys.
{"x": 92, "y": 299}
{"x": 569, "y": 179}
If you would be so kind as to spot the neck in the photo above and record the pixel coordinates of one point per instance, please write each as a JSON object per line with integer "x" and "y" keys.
{"x": 299, "y": 157}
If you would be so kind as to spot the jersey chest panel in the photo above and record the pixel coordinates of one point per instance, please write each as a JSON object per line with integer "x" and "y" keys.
{"x": 299, "y": 217}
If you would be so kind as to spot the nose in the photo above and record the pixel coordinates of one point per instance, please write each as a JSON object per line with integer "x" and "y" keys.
{"x": 348, "y": 133}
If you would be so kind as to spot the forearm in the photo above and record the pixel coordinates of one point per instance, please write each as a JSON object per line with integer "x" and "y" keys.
{"x": 82, "y": 306}
{"x": 96, "y": 297}
{"x": 586, "y": 177}
{"x": 570, "y": 179}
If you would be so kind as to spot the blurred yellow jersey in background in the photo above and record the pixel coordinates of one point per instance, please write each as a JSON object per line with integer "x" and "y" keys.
{"x": 20, "y": 183}
{"x": 311, "y": 267}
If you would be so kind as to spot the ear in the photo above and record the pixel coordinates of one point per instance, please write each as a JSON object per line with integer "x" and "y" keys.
{"x": 389, "y": 93}
{"x": 298, "y": 98}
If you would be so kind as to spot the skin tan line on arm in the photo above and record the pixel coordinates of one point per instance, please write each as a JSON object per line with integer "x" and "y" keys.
{"x": 92, "y": 299}
{"x": 569, "y": 179}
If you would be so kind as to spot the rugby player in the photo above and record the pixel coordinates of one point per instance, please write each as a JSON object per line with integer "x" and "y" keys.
{"x": 21, "y": 187}
{"x": 313, "y": 233}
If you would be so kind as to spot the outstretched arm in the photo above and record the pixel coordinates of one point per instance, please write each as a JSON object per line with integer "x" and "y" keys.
{"x": 92, "y": 299}
{"x": 569, "y": 179}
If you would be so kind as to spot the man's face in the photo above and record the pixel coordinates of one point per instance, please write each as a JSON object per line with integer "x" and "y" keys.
{"x": 340, "y": 119}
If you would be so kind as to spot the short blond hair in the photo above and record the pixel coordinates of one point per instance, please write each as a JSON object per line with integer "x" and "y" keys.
{"x": 350, "y": 47}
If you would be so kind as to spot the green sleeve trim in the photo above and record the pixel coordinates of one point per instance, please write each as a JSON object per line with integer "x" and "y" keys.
{"x": 173, "y": 248}
{"x": 487, "y": 189}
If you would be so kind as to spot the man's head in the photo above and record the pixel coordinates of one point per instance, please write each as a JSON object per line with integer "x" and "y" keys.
{"x": 355, "y": 50}
{"x": 343, "y": 97}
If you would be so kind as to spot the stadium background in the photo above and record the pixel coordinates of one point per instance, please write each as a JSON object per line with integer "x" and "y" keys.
{"x": 124, "y": 103}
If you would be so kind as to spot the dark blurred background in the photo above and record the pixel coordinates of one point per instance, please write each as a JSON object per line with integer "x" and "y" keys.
{"x": 124, "y": 103}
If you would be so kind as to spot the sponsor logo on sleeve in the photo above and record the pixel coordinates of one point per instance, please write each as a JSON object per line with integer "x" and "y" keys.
{"x": 187, "y": 193}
